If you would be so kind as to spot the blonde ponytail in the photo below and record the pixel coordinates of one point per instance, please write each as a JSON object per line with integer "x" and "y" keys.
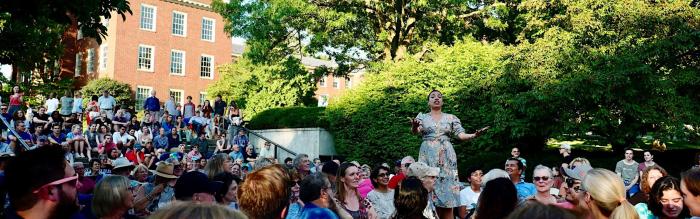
{"x": 608, "y": 193}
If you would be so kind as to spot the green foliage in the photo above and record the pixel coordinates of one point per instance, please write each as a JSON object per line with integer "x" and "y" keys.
{"x": 120, "y": 91}
{"x": 289, "y": 117}
{"x": 355, "y": 31}
{"x": 370, "y": 124}
{"x": 256, "y": 88}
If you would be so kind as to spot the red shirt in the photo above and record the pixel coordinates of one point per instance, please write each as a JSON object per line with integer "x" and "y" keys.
{"x": 131, "y": 156}
{"x": 107, "y": 148}
{"x": 396, "y": 180}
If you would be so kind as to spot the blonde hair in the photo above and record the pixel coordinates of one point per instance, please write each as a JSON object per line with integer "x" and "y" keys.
{"x": 581, "y": 160}
{"x": 608, "y": 193}
{"x": 137, "y": 168}
{"x": 186, "y": 210}
{"x": 110, "y": 194}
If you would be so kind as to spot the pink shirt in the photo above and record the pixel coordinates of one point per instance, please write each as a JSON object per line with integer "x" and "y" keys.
{"x": 365, "y": 187}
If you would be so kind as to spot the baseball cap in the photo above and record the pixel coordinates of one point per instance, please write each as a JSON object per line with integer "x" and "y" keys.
{"x": 195, "y": 182}
{"x": 579, "y": 172}
{"x": 420, "y": 170}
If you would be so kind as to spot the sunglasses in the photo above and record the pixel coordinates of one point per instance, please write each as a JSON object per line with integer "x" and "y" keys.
{"x": 538, "y": 178}
{"x": 407, "y": 165}
{"x": 578, "y": 189}
{"x": 382, "y": 175}
{"x": 74, "y": 180}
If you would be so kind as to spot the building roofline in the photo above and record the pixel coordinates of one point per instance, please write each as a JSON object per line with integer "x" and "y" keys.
{"x": 192, "y": 4}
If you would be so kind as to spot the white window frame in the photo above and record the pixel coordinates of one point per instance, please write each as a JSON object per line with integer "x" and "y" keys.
{"x": 153, "y": 60}
{"x": 321, "y": 98}
{"x": 184, "y": 57}
{"x": 213, "y": 30}
{"x": 155, "y": 16}
{"x": 211, "y": 73}
{"x": 336, "y": 83}
{"x": 104, "y": 56}
{"x": 139, "y": 106}
{"x": 181, "y": 100}
{"x": 78, "y": 63}
{"x": 322, "y": 82}
{"x": 184, "y": 24}
{"x": 202, "y": 98}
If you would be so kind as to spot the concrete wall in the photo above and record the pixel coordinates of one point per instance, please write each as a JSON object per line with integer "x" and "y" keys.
{"x": 311, "y": 141}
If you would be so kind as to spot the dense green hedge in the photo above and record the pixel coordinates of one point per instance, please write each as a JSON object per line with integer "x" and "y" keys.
{"x": 291, "y": 117}
{"x": 121, "y": 91}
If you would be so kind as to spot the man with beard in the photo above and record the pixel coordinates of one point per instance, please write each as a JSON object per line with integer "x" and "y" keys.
{"x": 53, "y": 195}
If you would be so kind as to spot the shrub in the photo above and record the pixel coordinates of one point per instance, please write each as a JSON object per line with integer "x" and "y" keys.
{"x": 120, "y": 91}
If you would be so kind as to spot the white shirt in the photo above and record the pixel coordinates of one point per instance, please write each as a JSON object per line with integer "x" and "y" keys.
{"x": 106, "y": 102}
{"x": 269, "y": 153}
{"x": 383, "y": 203}
{"x": 468, "y": 198}
{"x": 118, "y": 137}
{"x": 51, "y": 105}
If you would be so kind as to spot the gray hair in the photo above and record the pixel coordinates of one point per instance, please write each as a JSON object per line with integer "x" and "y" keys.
{"x": 494, "y": 174}
{"x": 297, "y": 160}
{"x": 110, "y": 193}
{"x": 262, "y": 162}
{"x": 542, "y": 167}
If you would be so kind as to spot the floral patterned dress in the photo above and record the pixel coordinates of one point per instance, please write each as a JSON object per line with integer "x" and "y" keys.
{"x": 437, "y": 151}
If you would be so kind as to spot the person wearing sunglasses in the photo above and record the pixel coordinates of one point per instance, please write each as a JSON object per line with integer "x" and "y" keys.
{"x": 53, "y": 195}
{"x": 572, "y": 186}
{"x": 542, "y": 178}
{"x": 381, "y": 197}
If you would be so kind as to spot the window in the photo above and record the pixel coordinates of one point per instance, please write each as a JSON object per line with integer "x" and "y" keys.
{"x": 91, "y": 60}
{"x": 202, "y": 97}
{"x": 323, "y": 100}
{"x": 78, "y": 63}
{"x": 148, "y": 17}
{"x": 206, "y": 66}
{"x": 177, "y": 96}
{"x": 145, "y": 58}
{"x": 177, "y": 62}
{"x": 141, "y": 94}
{"x": 348, "y": 83}
{"x": 104, "y": 49}
{"x": 322, "y": 82}
{"x": 208, "y": 27}
{"x": 179, "y": 24}
{"x": 336, "y": 82}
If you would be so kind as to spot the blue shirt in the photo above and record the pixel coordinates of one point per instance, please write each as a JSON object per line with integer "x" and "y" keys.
{"x": 525, "y": 190}
{"x": 236, "y": 155}
{"x": 160, "y": 142}
{"x": 312, "y": 211}
{"x": 152, "y": 104}
{"x": 241, "y": 141}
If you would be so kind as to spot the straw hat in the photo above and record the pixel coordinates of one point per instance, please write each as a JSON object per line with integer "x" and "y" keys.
{"x": 165, "y": 169}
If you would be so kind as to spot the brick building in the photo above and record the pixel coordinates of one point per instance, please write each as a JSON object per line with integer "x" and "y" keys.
{"x": 170, "y": 46}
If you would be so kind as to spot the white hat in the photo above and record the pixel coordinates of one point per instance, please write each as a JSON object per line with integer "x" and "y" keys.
{"x": 121, "y": 162}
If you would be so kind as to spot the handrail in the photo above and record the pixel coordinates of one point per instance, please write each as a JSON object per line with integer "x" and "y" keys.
{"x": 13, "y": 132}
{"x": 268, "y": 140}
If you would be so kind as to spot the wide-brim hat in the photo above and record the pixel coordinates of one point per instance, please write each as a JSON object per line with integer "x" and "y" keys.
{"x": 165, "y": 169}
{"x": 121, "y": 163}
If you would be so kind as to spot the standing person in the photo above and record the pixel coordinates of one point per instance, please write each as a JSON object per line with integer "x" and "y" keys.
{"x": 66, "y": 104}
{"x": 382, "y": 198}
{"x": 605, "y": 196}
{"x": 53, "y": 195}
{"x": 51, "y": 104}
{"x": 78, "y": 105}
{"x": 107, "y": 103}
{"x": 648, "y": 162}
{"x": 236, "y": 118}
{"x": 188, "y": 110}
{"x": 152, "y": 105}
{"x": 565, "y": 151}
{"x": 627, "y": 169}
{"x": 92, "y": 109}
{"x": 436, "y": 150}
{"x": 524, "y": 189}
{"x": 15, "y": 100}
{"x": 469, "y": 196}
{"x": 171, "y": 107}
{"x": 219, "y": 106}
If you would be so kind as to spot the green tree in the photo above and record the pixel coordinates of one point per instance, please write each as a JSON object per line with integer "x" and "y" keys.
{"x": 256, "y": 88}
{"x": 120, "y": 91}
{"x": 353, "y": 32}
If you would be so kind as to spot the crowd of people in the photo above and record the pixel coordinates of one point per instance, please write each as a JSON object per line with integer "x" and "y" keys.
{"x": 172, "y": 173}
